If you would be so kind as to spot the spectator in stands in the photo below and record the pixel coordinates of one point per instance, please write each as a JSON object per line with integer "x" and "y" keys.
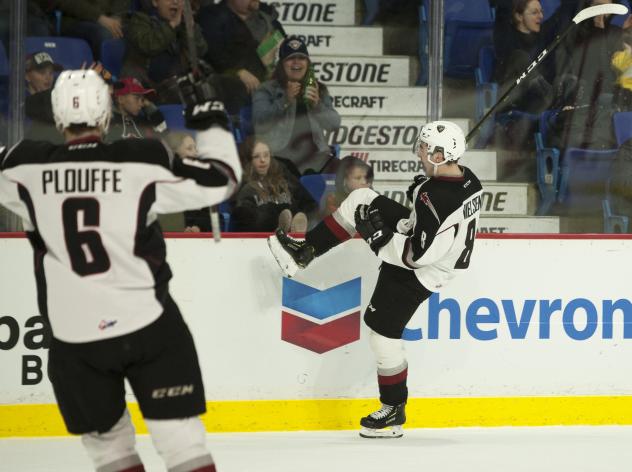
{"x": 352, "y": 174}
{"x": 622, "y": 63}
{"x": 183, "y": 144}
{"x": 587, "y": 56}
{"x": 519, "y": 36}
{"x": 243, "y": 38}
{"x": 40, "y": 72}
{"x": 157, "y": 48}
{"x": 93, "y": 20}
{"x": 133, "y": 114}
{"x": 292, "y": 116}
{"x": 270, "y": 195}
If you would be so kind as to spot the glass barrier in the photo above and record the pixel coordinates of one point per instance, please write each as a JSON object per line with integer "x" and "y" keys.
{"x": 341, "y": 104}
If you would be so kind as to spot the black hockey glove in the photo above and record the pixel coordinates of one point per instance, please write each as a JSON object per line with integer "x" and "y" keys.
{"x": 371, "y": 227}
{"x": 202, "y": 107}
{"x": 411, "y": 189}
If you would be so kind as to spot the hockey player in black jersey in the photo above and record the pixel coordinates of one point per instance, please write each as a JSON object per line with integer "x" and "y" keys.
{"x": 421, "y": 250}
{"x": 90, "y": 212}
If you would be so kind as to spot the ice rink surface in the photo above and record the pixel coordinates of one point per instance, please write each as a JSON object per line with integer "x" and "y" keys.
{"x": 554, "y": 449}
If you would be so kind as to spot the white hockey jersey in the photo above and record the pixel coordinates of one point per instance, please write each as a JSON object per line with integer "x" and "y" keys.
{"x": 90, "y": 211}
{"x": 437, "y": 239}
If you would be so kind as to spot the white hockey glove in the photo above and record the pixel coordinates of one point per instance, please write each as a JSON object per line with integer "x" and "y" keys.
{"x": 371, "y": 227}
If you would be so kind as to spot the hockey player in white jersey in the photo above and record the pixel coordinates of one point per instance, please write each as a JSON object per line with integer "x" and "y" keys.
{"x": 90, "y": 212}
{"x": 421, "y": 250}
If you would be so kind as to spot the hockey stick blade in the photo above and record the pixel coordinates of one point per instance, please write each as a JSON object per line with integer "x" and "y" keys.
{"x": 590, "y": 12}
{"x": 606, "y": 9}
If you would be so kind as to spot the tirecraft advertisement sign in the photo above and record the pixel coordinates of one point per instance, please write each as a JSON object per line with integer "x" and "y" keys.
{"x": 339, "y": 40}
{"x": 302, "y": 12}
{"x": 349, "y": 70}
{"x": 402, "y": 164}
{"x": 378, "y": 101}
{"x": 31, "y": 336}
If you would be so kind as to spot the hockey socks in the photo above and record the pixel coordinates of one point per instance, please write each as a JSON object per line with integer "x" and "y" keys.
{"x": 327, "y": 234}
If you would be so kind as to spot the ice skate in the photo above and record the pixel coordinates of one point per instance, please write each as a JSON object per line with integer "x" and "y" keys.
{"x": 384, "y": 423}
{"x": 291, "y": 254}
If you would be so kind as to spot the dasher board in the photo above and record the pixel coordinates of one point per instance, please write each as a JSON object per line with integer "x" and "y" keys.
{"x": 379, "y": 100}
{"x": 497, "y": 198}
{"x": 316, "y": 12}
{"x": 342, "y": 40}
{"x": 398, "y": 132}
{"x": 519, "y": 224}
{"x": 401, "y": 164}
{"x": 362, "y": 70}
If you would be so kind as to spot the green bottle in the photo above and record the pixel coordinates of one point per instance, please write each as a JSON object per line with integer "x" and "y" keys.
{"x": 309, "y": 81}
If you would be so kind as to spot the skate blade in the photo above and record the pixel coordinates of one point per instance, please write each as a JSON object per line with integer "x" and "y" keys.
{"x": 285, "y": 261}
{"x": 385, "y": 433}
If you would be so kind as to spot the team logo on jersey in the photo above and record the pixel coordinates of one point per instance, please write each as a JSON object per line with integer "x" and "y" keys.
{"x": 320, "y": 320}
{"x": 104, "y": 324}
{"x": 423, "y": 196}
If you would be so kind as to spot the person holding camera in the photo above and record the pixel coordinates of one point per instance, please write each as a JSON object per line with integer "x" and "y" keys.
{"x": 293, "y": 111}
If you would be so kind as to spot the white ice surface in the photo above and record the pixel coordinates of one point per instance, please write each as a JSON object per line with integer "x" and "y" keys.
{"x": 554, "y": 449}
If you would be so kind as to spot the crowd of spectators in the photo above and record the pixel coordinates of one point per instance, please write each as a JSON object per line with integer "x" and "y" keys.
{"x": 241, "y": 50}
{"x": 244, "y": 51}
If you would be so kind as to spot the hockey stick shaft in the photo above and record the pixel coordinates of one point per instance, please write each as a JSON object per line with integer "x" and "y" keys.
{"x": 586, "y": 13}
{"x": 189, "y": 25}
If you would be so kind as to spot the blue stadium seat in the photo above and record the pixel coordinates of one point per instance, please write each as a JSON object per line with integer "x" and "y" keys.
{"x": 112, "y": 52}
{"x": 618, "y": 20}
{"x": 4, "y": 60}
{"x": 71, "y": 53}
{"x": 549, "y": 7}
{"x": 317, "y": 184}
{"x": 583, "y": 177}
{"x": 174, "y": 116}
{"x": 486, "y": 94}
{"x": 469, "y": 26}
{"x": 613, "y": 223}
{"x": 371, "y": 9}
{"x": 622, "y": 126}
{"x": 547, "y": 164}
{"x": 246, "y": 126}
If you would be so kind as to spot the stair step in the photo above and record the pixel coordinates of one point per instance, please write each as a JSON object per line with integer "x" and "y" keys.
{"x": 344, "y": 40}
{"x": 499, "y": 199}
{"x": 519, "y": 224}
{"x": 402, "y": 164}
{"x": 322, "y": 12}
{"x": 392, "y": 132}
{"x": 379, "y": 100}
{"x": 364, "y": 70}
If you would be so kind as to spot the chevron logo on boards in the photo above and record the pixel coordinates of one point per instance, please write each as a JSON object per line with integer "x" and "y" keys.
{"x": 320, "y": 320}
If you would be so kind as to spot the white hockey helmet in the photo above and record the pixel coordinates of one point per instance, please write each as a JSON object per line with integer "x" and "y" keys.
{"x": 81, "y": 97}
{"x": 441, "y": 136}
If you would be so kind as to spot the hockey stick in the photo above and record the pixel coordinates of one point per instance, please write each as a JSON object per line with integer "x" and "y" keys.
{"x": 189, "y": 25}
{"x": 586, "y": 13}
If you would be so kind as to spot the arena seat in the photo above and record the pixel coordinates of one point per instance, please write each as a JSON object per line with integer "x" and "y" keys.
{"x": 112, "y": 53}
{"x": 547, "y": 164}
{"x": 549, "y": 7}
{"x": 613, "y": 223}
{"x": 317, "y": 184}
{"x": 486, "y": 94}
{"x": 174, "y": 116}
{"x": 4, "y": 61}
{"x": 71, "y": 53}
{"x": 622, "y": 122}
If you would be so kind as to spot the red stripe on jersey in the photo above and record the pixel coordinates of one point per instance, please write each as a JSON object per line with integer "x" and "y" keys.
{"x": 206, "y": 468}
{"x": 338, "y": 231}
{"x": 393, "y": 379}
{"x": 408, "y": 250}
{"x": 135, "y": 468}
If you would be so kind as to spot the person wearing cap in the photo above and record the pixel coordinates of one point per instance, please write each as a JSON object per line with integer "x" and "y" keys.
{"x": 40, "y": 72}
{"x": 293, "y": 117}
{"x": 133, "y": 115}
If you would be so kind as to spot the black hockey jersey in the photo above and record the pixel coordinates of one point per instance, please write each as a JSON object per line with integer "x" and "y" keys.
{"x": 437, "y": 239}
{"x": 90, "y": 211}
